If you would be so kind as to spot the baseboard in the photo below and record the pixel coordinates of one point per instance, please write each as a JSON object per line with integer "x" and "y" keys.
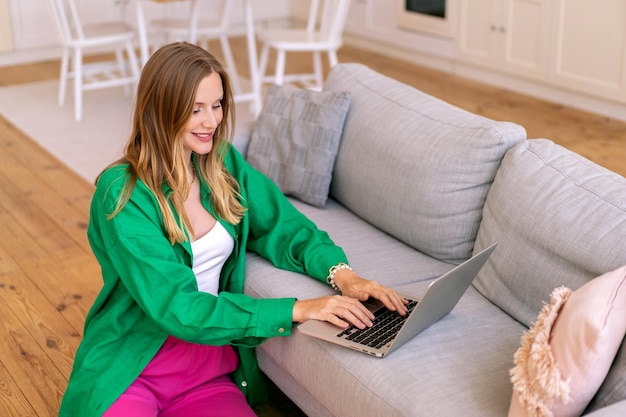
{"x": 589, "y": 104}
{"x": 29, "y": 56}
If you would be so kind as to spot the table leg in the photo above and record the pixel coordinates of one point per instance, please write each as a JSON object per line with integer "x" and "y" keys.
{"x": 142, "y": 32}
{"x": 255, "y": 78}
{"x": 193, "y": 21}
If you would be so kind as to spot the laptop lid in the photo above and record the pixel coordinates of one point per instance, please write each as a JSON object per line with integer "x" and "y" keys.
{"x": 438, "y": 300}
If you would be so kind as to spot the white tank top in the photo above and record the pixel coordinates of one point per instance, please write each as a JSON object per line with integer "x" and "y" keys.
{"x": 209, "y": 255}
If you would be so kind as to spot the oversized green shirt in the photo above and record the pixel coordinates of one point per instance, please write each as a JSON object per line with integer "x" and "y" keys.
{"x": 150, "y": 291}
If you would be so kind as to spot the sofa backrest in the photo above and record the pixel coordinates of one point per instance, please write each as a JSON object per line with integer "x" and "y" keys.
{"x": 415, "y": 166}
{"x": 560, "y": 220}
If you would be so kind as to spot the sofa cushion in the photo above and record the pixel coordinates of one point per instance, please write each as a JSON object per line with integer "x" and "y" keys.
{"x": 372, "y": 253}
{"x": 295, "y": 140}
{"x": 567, "y": 353}
{"x": 540, "y": 191}
{"x": 464, "y": 358}
{"x": 415, "y": 166}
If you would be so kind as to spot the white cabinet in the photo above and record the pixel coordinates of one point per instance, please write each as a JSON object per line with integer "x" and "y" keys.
{"x": 506, "y": 35}
{"x": 32, "y": 24}
{"x": 576, "y": 45}
{"x": 589, "y": 47}
{"x": 6, "y": 34}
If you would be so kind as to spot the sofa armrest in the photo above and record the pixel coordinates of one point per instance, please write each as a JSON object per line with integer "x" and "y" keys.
{"x": 616, "y": 409}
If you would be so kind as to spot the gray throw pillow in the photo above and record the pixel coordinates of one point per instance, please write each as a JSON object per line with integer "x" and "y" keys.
{"x": 296, "y": 138}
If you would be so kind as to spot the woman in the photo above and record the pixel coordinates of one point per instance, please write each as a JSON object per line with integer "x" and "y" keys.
{"x": 171, "y": 333}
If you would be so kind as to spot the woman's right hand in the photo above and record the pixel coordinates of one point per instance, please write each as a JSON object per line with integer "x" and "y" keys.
{"x": 336, "y": 309}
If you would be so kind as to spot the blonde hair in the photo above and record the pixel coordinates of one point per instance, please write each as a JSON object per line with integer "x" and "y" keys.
{"x": 154, "y": 152}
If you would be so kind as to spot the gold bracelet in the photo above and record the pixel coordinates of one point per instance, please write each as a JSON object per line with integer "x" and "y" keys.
{"x": 331, "y": 274}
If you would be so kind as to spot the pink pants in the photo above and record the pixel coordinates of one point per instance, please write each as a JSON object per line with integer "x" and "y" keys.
{"x": 185, "y": 379}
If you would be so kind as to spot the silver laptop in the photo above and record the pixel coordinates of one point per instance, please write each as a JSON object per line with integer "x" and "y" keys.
{"x": 390, "y": 329}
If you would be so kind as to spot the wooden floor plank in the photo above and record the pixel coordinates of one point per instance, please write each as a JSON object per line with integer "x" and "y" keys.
{"x": 18, "y": 148}
{"x": 12, "y": 400}
{"x": 22, "y": 249}
{"x": 47, "y": 242}
{"x": 29, "y": 73}
{"x": 7, "y": 264}
{"x": 71, "y": 286}
{"x": 45, "y": 214}
{"x": 37, "y": 376}
{"x": 43, "y": 319}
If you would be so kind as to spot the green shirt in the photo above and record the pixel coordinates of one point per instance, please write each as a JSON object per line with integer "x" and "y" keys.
{"x": 150, "y": 291}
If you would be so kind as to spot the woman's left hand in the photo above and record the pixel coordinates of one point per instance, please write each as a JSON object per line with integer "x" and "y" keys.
{"x": 352, "y": 285}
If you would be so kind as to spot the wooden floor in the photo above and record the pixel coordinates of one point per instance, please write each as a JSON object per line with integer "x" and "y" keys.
{"x": 48, "y": 276}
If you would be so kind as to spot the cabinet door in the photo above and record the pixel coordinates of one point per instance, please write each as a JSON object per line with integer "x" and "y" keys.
{"x": 32, "y": 24}
{"x": 589, "y": 44}
{"x": 478, "y": 37}
{"x": 525, "y": 37}
{"x": 506, "y": 35}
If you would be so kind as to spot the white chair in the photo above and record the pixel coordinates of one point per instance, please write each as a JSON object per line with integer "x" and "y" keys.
{"x": 102, "y": 37}
{"x": 207, "y": 20}
{"x": 324, "y": 33}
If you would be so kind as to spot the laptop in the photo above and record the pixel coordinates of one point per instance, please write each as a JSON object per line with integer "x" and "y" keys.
{"x": 391, "y": 330}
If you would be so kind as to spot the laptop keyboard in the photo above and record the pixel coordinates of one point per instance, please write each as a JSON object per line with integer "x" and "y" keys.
{"x": 387, "y": 323}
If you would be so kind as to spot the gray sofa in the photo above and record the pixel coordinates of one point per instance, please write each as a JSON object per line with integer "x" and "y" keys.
{"x": 418, "y": 186}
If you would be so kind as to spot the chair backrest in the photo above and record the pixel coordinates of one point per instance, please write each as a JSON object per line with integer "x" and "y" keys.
{"x": 328, "y": 18}
{"x": 66, "y": 19}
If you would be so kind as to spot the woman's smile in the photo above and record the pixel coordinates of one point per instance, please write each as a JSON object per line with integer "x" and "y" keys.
{"x": 204, "y": 137}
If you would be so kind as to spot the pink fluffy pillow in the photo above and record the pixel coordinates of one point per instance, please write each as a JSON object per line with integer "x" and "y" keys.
{"x": 566, "y": 355}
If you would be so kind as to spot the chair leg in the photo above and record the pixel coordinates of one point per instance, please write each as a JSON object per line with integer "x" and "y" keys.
{"x": 279, "y": 74}
{"x": 78, "y": 84}
{"x": 332, "y": 58}
{"x": 121, "y": 64}
{"x": 317, "y": 70}
{"x": 230, "y": 63}
{"x": 263, "y": 64}
{"x": 133, "y": 62}
{"x": 64, "y": 74}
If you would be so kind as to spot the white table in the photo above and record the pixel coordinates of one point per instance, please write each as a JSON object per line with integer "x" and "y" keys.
{"x": 255, "y": 79}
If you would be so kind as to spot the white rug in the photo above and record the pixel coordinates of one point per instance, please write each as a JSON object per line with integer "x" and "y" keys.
{"x": 87, "y": 146}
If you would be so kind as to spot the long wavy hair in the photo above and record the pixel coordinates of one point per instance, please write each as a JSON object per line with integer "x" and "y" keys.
{"x": 154, "y": 152}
